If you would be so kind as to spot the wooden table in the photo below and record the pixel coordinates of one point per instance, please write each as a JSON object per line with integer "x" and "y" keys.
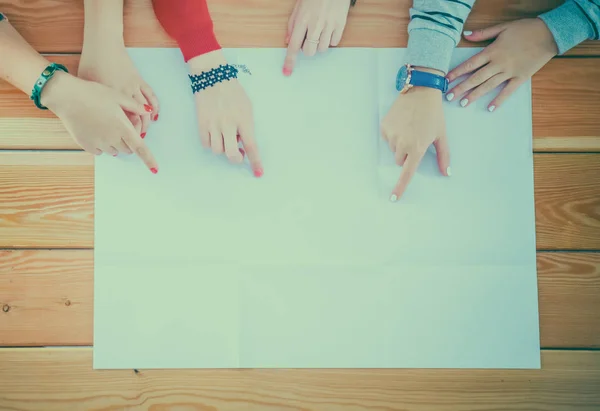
{"x": 46, "y": 236}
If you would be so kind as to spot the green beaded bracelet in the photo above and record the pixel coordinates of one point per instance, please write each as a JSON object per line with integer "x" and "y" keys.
{"x": 46, "y": 75}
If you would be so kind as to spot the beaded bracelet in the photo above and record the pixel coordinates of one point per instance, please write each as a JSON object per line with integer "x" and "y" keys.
{"x": 210, "y": 78}
{"x": 41, "y": 82}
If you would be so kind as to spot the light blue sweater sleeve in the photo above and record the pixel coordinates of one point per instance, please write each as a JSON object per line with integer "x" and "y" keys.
{"x": 573, "y": 22}
{"x": 434, "y": 31}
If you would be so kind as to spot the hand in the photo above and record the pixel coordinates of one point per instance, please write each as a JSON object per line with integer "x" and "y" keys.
{"x": 519, "y": 50}
{"x": 225, "y": 115}
{"x": 108, "y": 63}
{"x": 94, "y": 115}
{"x": 414, "y": 122}
{"x": 314, "y": 25}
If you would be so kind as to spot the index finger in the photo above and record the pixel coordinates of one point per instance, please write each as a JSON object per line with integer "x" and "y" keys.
{"x": 294, "y": 47}
{"x": 408, "y": 170}
{"x": 139, "y": 148}
{"x": 249, "y": 142}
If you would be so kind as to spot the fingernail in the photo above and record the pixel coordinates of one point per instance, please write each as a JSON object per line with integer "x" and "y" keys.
{"x": 287, "y": 72}
{"x": 467, "y": 32}
{"x": 148, "y": 108}
{"x": 448, "y": 171}
{"x": 464, "y": 102}
{"x": 154, "y": 170}
{"x": 491, "y": 109}
{"x": 394, "y": 198}
{"x": 114, "y": 155}
{"x": 450, "y": 96}
{"x": 258, "y": 172}
{"x": 238, "y": 138}
{"x": 287, "y": 39}
{"x": 156, "y": 117}
{"x": 143, "y": 135}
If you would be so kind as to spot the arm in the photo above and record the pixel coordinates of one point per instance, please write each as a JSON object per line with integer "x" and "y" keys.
{"x": 93, "y": 114}
{"x": 434, "y": 31}
{"x": 189, "y": 23}
{"x": 20, "y": 65}
{"x": 103, "y": 22}
{"x": 224, "y": 110}
{"x": 573, "y": 22}
{"x": 105, "y": 60}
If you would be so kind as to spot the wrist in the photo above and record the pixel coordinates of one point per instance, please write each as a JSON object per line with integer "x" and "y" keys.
{"x": 429, "y": 70}
{"x": 549, "y": 44}
{"x": 55, "y": 92}
{"x": 206, "y": 62}
{"x": 425, "y": 91}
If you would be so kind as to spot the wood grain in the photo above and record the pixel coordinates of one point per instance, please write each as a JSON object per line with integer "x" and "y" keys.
{"x": 567, "y": 201}
{"x": 46, "y": 200}
{"x": 62, "y": 379}
{"x": 46, "y": 298}
{"x": 563, "y": 93}
{"x": 57, "y": 25}
{"x": 569, "y": 299}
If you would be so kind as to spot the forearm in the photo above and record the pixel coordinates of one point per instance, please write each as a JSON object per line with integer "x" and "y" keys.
{"x": 103, "y": 22}
{"x": 434, "y": 31}
{"x": 573, "y": 22}
{"x": 189, "y": 23}
{"x": 20, "y": 64}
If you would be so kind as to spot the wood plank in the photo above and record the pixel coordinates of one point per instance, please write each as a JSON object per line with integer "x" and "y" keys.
{"x": 562, "y": 97}
{"x": 567, "y": 201}
{"x": 57, "y": 25}
{"x": 46, "y": 298}
{"x": 62, "y": 379}
{"x": 563, "y": 91}
{"x": 569, "y": 299}
{"x": 46, "y": 200}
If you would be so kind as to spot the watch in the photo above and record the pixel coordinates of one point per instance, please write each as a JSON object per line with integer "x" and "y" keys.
{"x": 408, "y": 78}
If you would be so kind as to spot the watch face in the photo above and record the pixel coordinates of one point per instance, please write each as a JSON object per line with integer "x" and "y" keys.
{"x": 401, "y": 78}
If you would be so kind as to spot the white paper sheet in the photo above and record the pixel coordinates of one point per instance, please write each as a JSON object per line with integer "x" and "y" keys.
{"x": 204, "y": 266}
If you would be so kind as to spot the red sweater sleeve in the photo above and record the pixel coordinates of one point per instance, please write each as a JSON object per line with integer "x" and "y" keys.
{"x": 189, "y": 23}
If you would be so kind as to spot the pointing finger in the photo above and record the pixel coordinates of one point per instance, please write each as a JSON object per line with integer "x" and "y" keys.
{"x": 410, "y": 167}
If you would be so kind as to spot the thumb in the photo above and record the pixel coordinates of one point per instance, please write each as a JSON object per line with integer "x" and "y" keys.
{"x": 484, "y": 34}
{"x": 443, "y": 155}
{"x": 130, "y": 105}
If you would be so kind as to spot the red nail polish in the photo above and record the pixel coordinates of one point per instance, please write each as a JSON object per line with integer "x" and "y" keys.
{"x": 156, "y": 117}
{"x": 148, "y": 108}
{"x": 143, "y": 135}
{"x": 287, "y": 72}
{"x": 114, "y": 155}
{"x": 238, "y": 139}
{"x": 154, "y": 170}
{"x": 258, "y": 172}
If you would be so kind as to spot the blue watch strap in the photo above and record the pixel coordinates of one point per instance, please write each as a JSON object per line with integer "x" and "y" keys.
{"x": 424, "y": 79}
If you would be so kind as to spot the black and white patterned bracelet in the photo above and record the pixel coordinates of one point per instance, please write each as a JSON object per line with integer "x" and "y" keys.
{"x": 209, "y": 78}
